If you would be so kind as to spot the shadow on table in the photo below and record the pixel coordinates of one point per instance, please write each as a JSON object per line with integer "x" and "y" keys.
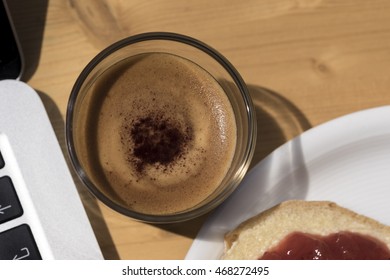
{"x": 278, "y": 120}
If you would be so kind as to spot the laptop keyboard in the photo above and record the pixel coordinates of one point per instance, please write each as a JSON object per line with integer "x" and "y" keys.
{"x": 41, "y": 214}
{"x": 10, "y": 207}
{"x": 18, "y": 242}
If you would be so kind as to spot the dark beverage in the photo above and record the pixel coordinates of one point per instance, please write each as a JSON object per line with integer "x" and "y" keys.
{"x": 159, "y": 134}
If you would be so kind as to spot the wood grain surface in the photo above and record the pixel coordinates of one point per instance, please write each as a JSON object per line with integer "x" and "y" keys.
{"x": 305, "y": 62}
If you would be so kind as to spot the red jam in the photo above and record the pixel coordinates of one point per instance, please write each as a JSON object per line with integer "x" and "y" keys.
{"x": 337, "y": 246}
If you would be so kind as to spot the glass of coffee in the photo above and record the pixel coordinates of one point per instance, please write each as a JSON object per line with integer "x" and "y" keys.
{"x": 160, "y": 127}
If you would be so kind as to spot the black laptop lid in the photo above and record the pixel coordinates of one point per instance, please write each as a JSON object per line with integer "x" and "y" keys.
{"x": 10, "y": 57}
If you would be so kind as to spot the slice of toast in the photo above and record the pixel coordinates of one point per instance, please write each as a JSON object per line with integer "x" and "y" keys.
{"x": 254, "y": 237}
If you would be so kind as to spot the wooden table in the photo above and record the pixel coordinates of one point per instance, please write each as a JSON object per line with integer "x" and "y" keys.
{"x": 305, "y": 62}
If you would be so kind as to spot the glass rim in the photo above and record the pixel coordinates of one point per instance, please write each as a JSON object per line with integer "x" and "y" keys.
{"x": 164, "y": 36}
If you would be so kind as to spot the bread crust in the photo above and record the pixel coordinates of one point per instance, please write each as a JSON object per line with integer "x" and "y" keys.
{"x": 252, "y": 238}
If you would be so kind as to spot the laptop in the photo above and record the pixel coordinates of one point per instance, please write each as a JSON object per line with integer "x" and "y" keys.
{"x": 41, "y": 214}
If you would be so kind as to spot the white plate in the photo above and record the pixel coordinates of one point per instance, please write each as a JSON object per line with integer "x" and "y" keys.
{"x": 346, "y": 160}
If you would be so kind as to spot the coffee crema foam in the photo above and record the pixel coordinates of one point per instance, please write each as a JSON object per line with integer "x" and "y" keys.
{"x": 160, "y": 134}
